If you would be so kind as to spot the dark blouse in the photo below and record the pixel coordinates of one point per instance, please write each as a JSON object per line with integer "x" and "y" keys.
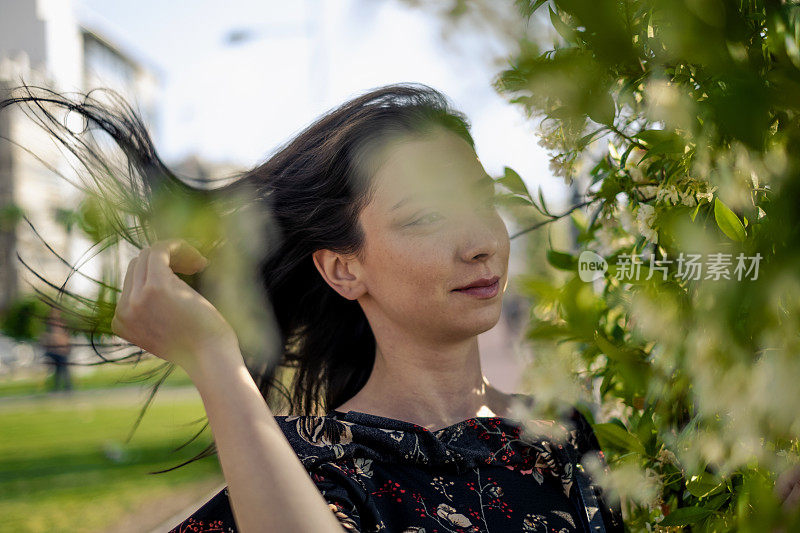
{"x": 481, "y": 475}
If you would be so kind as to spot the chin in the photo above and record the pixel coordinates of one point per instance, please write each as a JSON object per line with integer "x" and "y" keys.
{"x": 485, "y": 320}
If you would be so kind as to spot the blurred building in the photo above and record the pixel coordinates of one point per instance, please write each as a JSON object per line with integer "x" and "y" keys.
{"x": 65, "y": 47}
{"x": 201, "y": 172}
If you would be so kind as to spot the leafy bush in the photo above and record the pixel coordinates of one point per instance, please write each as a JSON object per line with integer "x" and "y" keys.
{"x": 678, "y": 120}
{"x": 23, "y": 320}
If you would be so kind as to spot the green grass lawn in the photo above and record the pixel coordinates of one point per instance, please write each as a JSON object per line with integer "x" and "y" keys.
{"x": 92, "y": 377}
{"x": 64, "y": 465}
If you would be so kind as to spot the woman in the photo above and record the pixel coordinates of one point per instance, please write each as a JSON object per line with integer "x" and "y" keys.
{"x": 392, "y": 259}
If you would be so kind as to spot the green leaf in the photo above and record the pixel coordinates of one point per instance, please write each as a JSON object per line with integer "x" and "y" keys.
{"x": 685, "y": 516}
{"x": 603, "y": 109}
{"x": 728, "y": 222}
{"x": 539, "y": 288}
{"x": 625, "y": 155}
{"x": 645, "y": 428}
{"x": 563, "y": 30}
{"x": 610, "y": 188}
{"x": 650, "y": 137}
{"x": 613, "y": 352}
{"x": 542, "y": 203}
{"x": 613, "y": 151}
{"x": 696, "y": 209}
{"x": 661, "y": 142}
{"x": 545, "y": 330}
{"x": 586, "y": 139}
{"x": 514, "y": 183}
{"x": 526, "y": 8}
{"x": 512, "y": 200}
{"x": 578, "y": 218}
{"x": 524, "y": 100}
{"x": 561, "y": 260}
{"x": 704, "y": 484}
{"x": 717, "y": 501}
{"x": 607, "y": 383}
{"x": 612, "y": 434}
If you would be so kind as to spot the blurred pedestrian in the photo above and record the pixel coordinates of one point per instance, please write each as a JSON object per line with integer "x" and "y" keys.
{"x": 57, "y": 349}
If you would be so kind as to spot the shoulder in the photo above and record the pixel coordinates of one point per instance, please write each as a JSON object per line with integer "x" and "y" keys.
{"x": 572, "y": 416}
{"x": 586, "y": 443}
{"x": 585, "y": 439}
{"x": 317, "y": 439}
{"x": 354, "y": 437}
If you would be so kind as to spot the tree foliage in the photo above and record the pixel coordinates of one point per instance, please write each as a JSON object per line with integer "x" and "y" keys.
{"x": 680, "y": 120}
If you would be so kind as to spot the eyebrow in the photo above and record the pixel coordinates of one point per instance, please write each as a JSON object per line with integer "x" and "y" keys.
{"x": 480, "y": 184}
{"x": 404, "y": 200}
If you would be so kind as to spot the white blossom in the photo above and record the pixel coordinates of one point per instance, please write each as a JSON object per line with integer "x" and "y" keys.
{"x": 626, "y": 220}
{"x": 708, "y": 195}
{"x": 687, "y": 198}
{"x": 645, "y": 218}
{"x": 669, "y": 193}
{"x": 648, "y": 190}
{"x": 607, "y": 239}
{"x": 636, "y": 174}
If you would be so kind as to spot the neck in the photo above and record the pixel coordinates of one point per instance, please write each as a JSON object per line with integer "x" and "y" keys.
{"x": 432, "y": 386}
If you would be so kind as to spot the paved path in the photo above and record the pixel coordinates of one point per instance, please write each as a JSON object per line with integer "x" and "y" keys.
{"x": 120, "y": 395}
{"x": 185, "y": 512}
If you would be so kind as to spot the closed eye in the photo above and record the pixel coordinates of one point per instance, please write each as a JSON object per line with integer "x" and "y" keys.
{"x": 430, "y": 217}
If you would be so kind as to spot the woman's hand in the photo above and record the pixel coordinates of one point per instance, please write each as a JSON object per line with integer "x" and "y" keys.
{"x": 163, "y": 315}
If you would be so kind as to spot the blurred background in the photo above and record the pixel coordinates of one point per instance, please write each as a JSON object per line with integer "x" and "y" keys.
{"x": 219, "y": 85}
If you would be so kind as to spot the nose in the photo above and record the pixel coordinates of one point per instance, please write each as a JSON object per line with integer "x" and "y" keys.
{"x": 480, "y": 238}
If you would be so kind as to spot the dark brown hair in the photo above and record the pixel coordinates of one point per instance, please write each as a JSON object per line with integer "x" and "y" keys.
{"x": 312, "y": 188}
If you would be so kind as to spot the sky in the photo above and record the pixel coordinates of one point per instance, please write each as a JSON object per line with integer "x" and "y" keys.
{"x": 237, "y": 103}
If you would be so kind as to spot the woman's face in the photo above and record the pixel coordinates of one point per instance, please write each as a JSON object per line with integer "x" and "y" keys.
{"x": 431, "y": 228}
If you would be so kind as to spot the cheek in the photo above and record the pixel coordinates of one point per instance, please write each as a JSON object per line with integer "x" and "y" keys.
{"x": 506, "y": 246}
{"x": 409, "y": 271}
{"x": 503, "y": 238}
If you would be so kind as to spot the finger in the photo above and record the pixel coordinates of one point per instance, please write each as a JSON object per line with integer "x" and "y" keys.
{"x": 175, "y": 255}
{"x": 126, "y": 285}
{"x": 140, "y": 273}
{"x": 116, "y": 327}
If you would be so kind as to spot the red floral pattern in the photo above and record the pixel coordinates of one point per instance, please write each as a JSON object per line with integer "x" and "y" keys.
{"x": 481, "y": 475}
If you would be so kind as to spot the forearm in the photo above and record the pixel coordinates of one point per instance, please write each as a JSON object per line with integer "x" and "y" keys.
{"x": 269, "y": 488}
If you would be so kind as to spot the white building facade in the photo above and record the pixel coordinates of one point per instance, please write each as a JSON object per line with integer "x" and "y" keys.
{"x": 64, "y": 47}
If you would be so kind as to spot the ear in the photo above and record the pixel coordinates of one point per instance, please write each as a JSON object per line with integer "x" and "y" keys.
{"x": 341, "y": 272}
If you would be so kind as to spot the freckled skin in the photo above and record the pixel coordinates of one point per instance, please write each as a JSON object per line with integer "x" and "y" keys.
{"x": 418, "y": 253}
{"x": 427, "y": 365}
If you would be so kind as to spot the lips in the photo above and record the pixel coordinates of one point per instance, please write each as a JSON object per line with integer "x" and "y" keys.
{"x": 482, "y": 282}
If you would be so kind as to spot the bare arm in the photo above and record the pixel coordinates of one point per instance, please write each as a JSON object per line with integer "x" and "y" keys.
{"x": 269, "y": 488}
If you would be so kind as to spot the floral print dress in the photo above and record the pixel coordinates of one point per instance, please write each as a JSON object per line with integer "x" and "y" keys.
{"x": 481, "y": 475}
